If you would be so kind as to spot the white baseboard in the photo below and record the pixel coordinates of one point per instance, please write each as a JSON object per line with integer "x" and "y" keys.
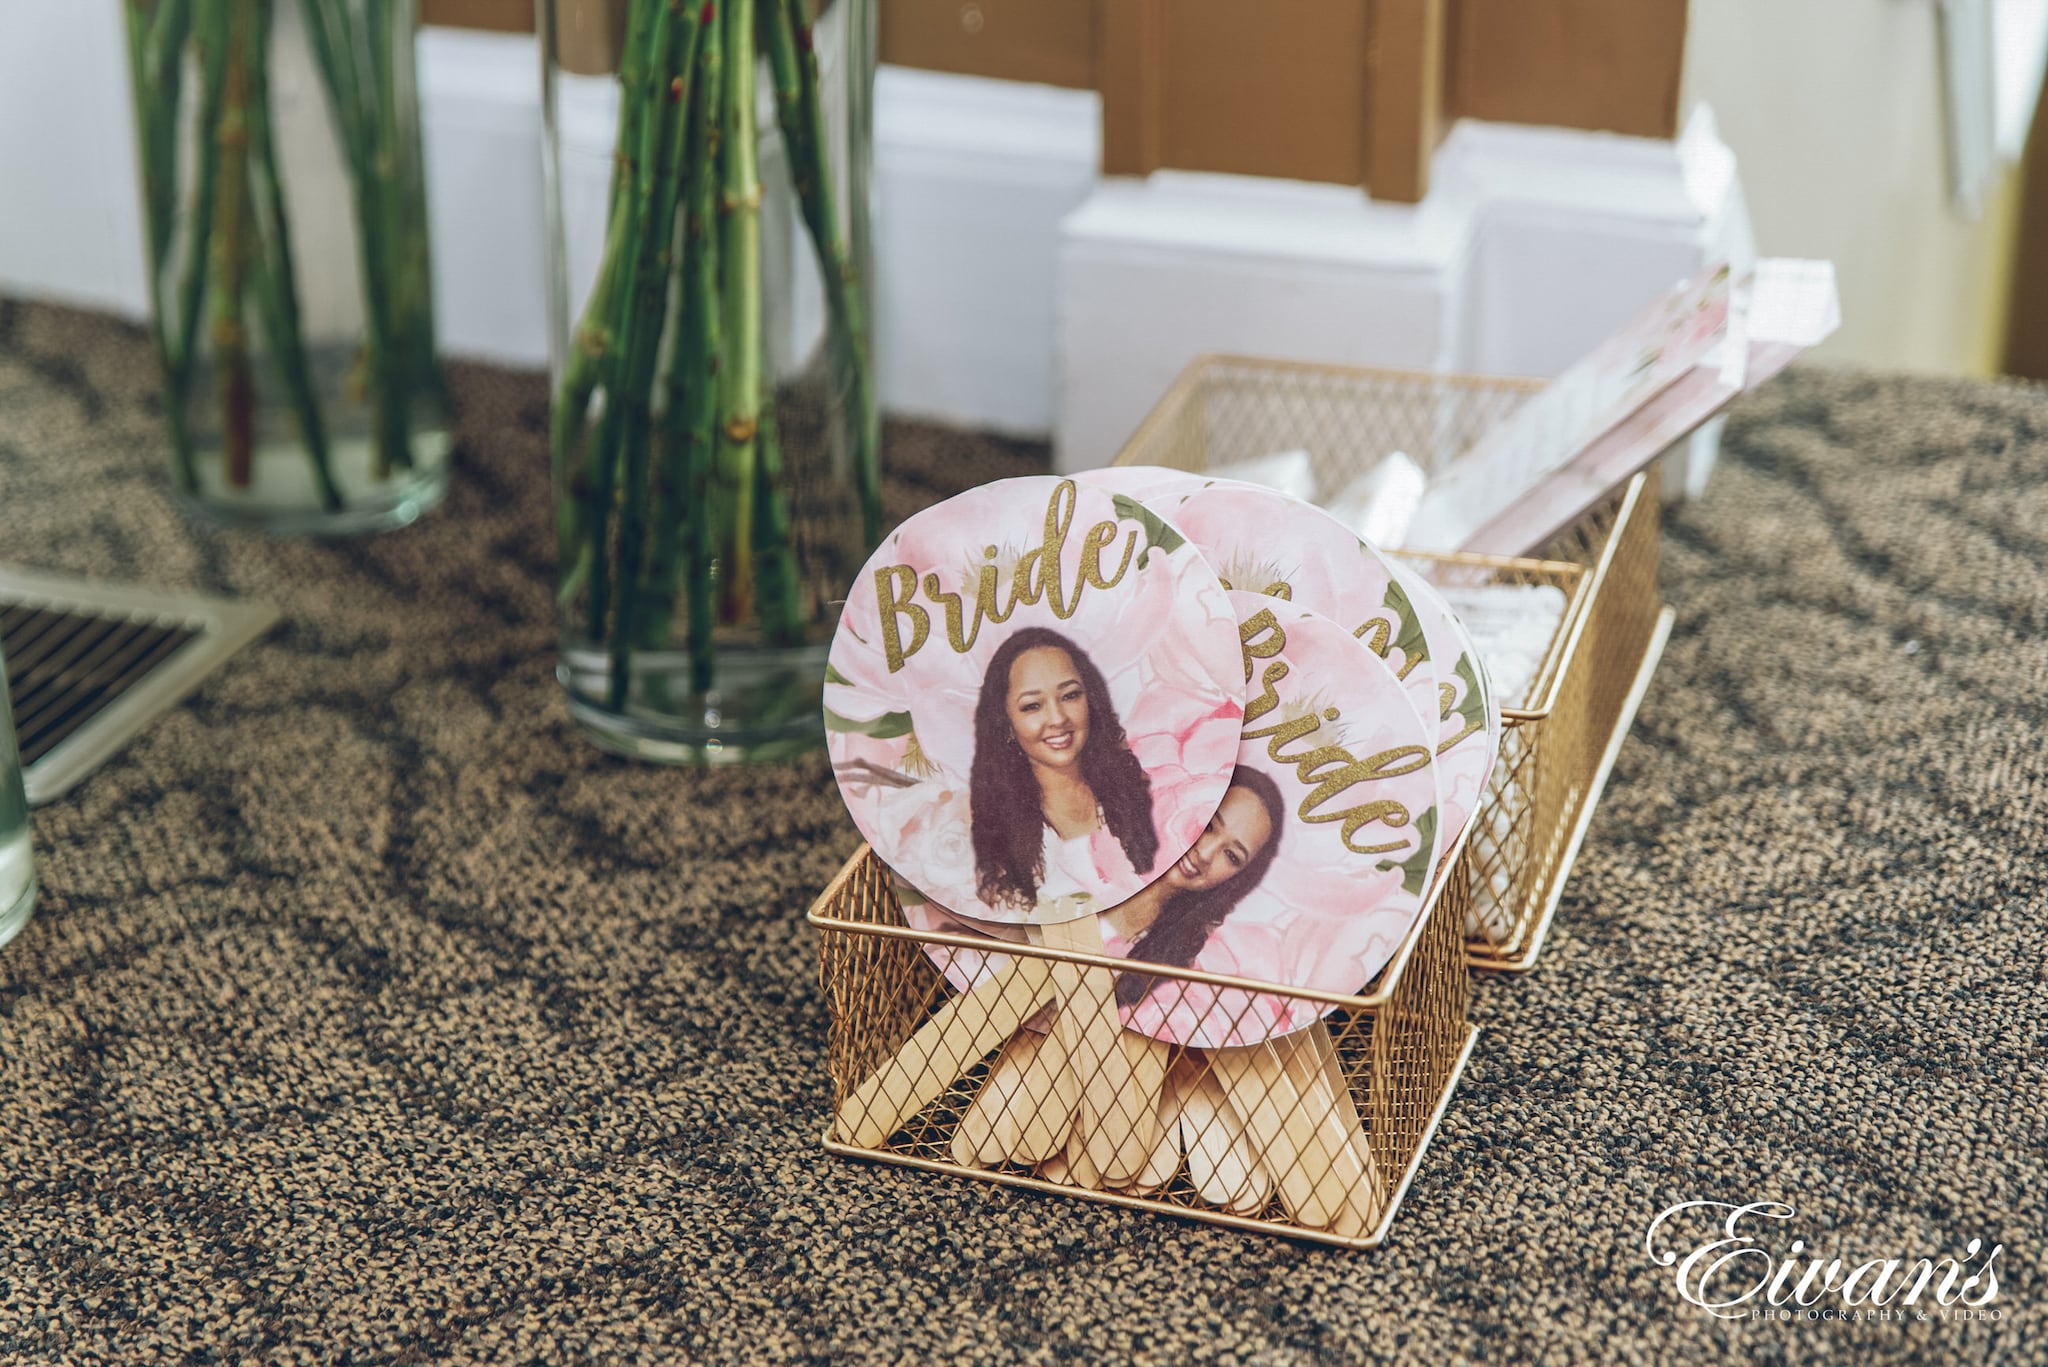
{"x": 1532, "y": 245}
{"x": 480, "y": 123}
{"x": 973, "y": 178}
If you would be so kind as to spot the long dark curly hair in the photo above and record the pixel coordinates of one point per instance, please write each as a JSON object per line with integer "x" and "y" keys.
{"x": 1002, "y": 794}
{"x": 1185, "y": 922}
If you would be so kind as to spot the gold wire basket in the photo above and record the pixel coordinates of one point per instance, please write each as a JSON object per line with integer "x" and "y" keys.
{"x": 1561, "y": 740}
{"x": 1316, "y": 1134}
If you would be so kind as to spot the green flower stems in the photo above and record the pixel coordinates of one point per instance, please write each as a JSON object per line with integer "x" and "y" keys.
{"x": 589, "y": 346}
{"x": 277, "y": 291}
{"x": 156, "y": 45}
{"x": 666, "y": 135}
{"x": 776, "y": 602}
{"x": 641, "y": 298}
{"x": 793, "y": 61}
{"x": 232, "y": 29}
{"x": 238, "y": 239}
{"x": 687, "y": 493}
{"x": 739, "y": 249}
{"x": 690, "y": 429}
{"x": 355, "y": 64}
{"x": 592, "y": 339}
{"x": 406, "y": 204}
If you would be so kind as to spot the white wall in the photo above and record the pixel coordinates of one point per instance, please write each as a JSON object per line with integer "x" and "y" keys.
{"x": 974, "y": 178}
{"x": 70, "y": 210}
{"x": 1835, "y": 110}
{"x": 974, "y": 175}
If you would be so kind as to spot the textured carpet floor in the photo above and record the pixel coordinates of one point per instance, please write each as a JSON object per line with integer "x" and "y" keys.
{"x": 371, "y": 1015}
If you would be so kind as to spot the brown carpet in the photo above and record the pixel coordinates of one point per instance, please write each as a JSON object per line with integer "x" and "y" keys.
{"x": 371, "y": 1015}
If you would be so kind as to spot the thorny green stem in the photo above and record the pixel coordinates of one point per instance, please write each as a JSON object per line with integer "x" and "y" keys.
{"x": 640, "y": 251}
{"x": 693, "y": 486}
{"x": 799, "y": 107}
{"x": 156, "y": 72}
{"x": 277, "y": 280}
{"x": 233, "y": 216}
{"x": 739, "y": 251}
{"x": 650, "y": 310}
{"x": 690, "y": 418}
{"x": 237, "y": 247}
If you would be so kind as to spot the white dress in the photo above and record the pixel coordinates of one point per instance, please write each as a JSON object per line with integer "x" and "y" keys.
{"x": 1074, "y": 872}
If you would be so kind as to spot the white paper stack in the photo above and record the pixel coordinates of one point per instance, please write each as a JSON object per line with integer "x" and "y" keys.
{"x": 1379, "y": 504}
{"x": 1513, "y": 625}
{"x": 1291, "y": 472}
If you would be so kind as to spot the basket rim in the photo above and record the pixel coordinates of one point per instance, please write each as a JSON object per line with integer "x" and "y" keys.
{"x": 1519, "y": 952}
{"x": 1205, "y": 366}
{"x": 1389, "y": 976}
{"x": 1205, "y": 369}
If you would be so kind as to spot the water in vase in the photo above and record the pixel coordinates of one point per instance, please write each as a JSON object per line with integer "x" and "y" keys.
{"x": 17, "y": 865}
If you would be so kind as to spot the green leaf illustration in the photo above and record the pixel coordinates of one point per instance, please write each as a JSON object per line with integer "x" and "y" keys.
{"x": 1414, "y": 647}
{"x": 1473, "y": 709}
{"x": 1158, "y": 533}
{"x": 832, "y": 675}
{"x": 888, "y": 726}
{"x": 1415, "y": 872}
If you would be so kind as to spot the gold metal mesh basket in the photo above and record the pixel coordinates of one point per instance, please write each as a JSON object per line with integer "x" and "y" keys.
{"x": 1563, "y": 734}
{"x": 1315, "y": 1134}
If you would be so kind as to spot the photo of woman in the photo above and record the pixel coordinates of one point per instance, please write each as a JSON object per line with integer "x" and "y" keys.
{"x": 1171, "y": 920}
{"x": 1317, "y": 862}
{"x": 1034, "y": 700}
{"x": 1052, "y": 766}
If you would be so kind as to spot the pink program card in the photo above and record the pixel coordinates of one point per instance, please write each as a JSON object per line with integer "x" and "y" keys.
{"x": 1617, "y": 378}
{"x": 1783, "y": 309}
{"x": 1542, "y": 469}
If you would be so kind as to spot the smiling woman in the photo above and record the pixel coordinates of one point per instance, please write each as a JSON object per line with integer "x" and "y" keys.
{"x": 1034, "y": 700}
{"x": 1048, "y": 744}
{"x": 1172, "y": 919}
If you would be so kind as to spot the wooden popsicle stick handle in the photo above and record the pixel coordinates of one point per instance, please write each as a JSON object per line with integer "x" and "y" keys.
{"x": 1080, "y": 1167}
{"x": 1222, "y": 1164}
{"x": 1108, "y": 1122}
{"x": 988, "y": 1129}
{"x": 944, "y": 1047}
{"x": 1285, "y": 1104}
{"x": 1362, "y": 1206}
{"x": 1149, "y": 1061}
{"x": 1164, "y": 1160}
{"x": 1047, "y": 1093}
{"x": 1071, "y": 1162}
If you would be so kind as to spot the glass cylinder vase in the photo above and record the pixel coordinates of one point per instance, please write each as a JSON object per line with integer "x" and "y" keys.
{"x": 285, "y": 242}
{"x": 17, "y": 860}
{"x": 714, "y": 426}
